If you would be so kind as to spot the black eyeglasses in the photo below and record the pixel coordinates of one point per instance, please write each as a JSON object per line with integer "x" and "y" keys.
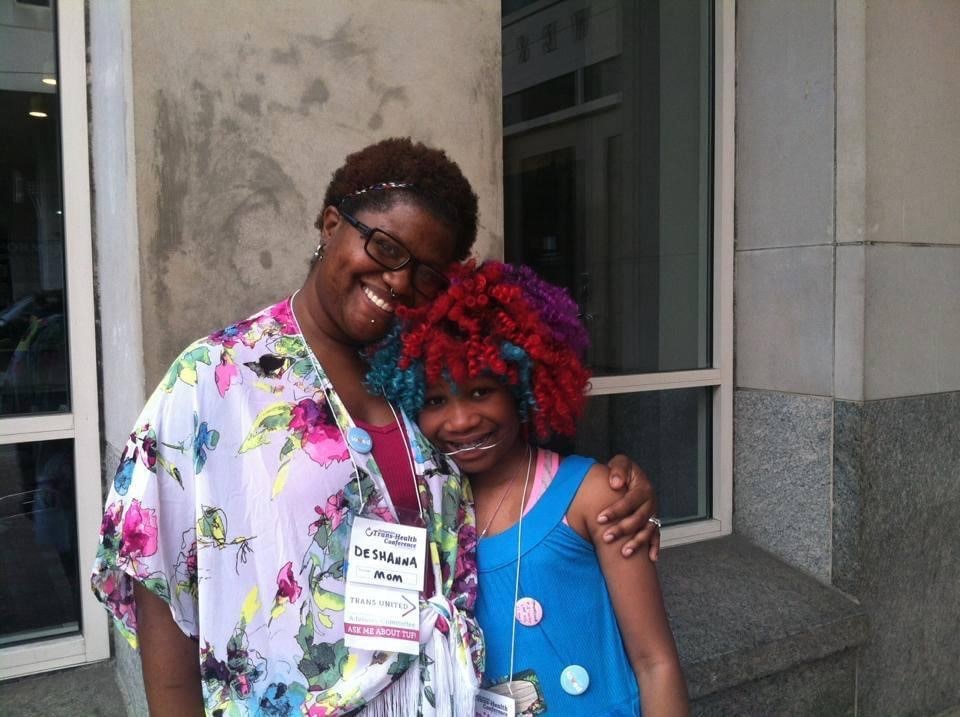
{"x": 390, "y": 253}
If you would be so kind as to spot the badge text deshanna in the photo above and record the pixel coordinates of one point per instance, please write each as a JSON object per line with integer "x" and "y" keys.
{"x": 385, "y": 556}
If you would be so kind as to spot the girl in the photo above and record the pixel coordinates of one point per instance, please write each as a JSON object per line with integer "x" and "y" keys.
{"x": 490, "y": 365}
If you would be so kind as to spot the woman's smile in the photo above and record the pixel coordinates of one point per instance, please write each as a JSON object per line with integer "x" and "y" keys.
{"x": 377, "y": 299}
{"x": 357, "y": 296}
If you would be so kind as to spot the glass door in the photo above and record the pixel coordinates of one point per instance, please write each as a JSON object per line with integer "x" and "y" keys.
{"x": 49, "y": 457}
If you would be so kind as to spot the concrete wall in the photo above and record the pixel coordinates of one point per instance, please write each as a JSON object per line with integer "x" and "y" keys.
{"x": 117, "y": 264}
{"x": 241, "y": 116}
{"x": 912, "y": 53}
{"x": 897, "y": 189}
{"x": 848, "y": 319}
{"x": 117, "y": 250}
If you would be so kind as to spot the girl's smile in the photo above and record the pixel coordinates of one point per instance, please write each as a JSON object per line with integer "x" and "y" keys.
{"x": 476, "y": 423}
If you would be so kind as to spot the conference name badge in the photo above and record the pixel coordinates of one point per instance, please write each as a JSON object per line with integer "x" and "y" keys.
{"x": 490, "y": 704}
{"x": 384, "y": 581}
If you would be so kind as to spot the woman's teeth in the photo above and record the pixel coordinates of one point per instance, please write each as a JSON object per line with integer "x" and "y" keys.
{"x": 377, "y": 301}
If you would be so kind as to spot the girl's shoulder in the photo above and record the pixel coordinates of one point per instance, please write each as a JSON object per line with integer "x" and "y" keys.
{"x": 593, "y": 495}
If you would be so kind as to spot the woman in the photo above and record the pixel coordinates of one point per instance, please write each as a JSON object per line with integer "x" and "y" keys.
{"x": 230, "y": 516}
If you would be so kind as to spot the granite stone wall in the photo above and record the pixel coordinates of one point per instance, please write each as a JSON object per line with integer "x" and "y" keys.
{"x": 897, "y": 508}
{"x": 822, "y": 687}
{"x": 782, "y": 476}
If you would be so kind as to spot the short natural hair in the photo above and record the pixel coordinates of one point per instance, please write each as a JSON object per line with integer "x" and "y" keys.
{"x": 498, "y": 320}
{"x": 437, "y": 185}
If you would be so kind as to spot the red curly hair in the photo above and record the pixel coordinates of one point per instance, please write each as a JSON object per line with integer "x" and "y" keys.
{"x": 494, "y": 319}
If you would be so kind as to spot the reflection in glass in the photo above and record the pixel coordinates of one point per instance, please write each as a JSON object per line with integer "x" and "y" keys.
{"x": 550, "y": 96}
{"x": 33, "y": 339}
{"x": 667, "y": 433}
{"x": 608, "y": 170}
{"x": 38, "y": 564}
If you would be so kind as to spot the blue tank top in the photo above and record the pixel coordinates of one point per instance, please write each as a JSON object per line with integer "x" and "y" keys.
{"x": 559, "y": 569}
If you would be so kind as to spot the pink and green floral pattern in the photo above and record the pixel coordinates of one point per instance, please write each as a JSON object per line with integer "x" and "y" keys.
{"x": 233, "y": 502}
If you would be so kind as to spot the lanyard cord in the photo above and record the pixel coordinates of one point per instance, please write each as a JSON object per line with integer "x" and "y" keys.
{"x": 516, "y": 581}
{"x": 324, "y": 382}
{"x": 325, "y": 386}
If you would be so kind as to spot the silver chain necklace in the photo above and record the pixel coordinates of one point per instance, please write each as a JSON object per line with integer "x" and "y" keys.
{"x": 506, "y": 492}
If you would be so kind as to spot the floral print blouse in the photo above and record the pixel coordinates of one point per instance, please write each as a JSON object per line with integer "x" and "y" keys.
{"x": 233, "y": 502}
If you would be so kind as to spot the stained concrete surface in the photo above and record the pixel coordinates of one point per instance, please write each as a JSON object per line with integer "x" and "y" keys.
{"x": 236, "y": 139}
{"x": 89, "y": 691}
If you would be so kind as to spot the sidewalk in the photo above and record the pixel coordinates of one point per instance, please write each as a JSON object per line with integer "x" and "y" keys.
{"x": 89, "y": 691}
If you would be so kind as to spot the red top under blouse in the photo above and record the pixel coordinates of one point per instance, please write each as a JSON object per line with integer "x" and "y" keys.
{"x": 390, "y": 452}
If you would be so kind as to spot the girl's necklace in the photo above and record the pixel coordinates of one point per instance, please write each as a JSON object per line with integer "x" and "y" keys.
{"x": 505, "y": 493}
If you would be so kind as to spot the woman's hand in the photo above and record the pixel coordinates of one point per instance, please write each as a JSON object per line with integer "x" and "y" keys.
{"x": 632, "y": 512}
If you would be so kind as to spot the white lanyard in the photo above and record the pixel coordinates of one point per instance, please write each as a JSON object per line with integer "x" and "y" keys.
{"x": 332, "y": 399}
{"x": 499, "y": 700}
{"x": 516, "y": 580}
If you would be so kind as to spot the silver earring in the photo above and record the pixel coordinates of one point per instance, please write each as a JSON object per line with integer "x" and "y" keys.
{"x": 393, "y": 294}
{"x": 320, "y": 251}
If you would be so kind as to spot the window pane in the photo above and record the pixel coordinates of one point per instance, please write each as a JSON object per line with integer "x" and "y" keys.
{"x": 667, "y": 432}
{"x": 608, "y": 170}
{"x": 33, "y": 341}
{"x": 38, "y": 562}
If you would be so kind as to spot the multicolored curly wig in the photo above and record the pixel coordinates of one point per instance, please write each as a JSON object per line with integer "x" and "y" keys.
{"x": 495, "y": 319}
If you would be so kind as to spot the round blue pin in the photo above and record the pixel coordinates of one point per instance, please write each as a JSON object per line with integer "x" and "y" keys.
{"x": 359, "y": 440}
{"x": 574, "y": 680}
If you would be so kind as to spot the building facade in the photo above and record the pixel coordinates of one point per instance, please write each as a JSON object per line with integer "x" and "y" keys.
{"x": 756, "y": 205}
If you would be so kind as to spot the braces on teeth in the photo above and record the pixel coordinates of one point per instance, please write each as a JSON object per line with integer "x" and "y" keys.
{"x": 475, "y": 447}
